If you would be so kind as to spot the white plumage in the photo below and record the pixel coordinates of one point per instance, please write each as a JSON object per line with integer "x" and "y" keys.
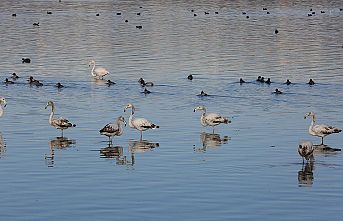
{"x": 113, "y": 129}
{"x": 320, "y": 130}
{"x": 98, "y": 72}
{"x": 3, "y": 104}
{"x": 59, "y": 123}
{"x": 211, "y": 119}
{"x": 305, "y": 150}
{"x": 140, "y": 124}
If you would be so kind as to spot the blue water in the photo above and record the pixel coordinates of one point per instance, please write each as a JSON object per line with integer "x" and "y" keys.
{"x": 247, "y": 170}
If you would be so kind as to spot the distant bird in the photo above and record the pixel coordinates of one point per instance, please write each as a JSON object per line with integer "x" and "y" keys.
{"x": 305, "y": 150}
{"x": 202, "y": 94}
{"x": 49, "y": 12}
{"x": 140, "y": 124}
{"x": 207, "y": 13}
{"x": 341, "y": 9}
{"x": 126, "y": 20}
{"x": 190, "y": 77}
{"x": 97, "y": 14}
{"x": 276, "y": 31}
{"x": 98, "y": 72}
{"x": 277, "y": 91}
{"x": 34, "y": 82}
{"x": 311, "y": 82}
{"x": 59, "y": 85}
{"x": 8, "y": 81}
{"x": 320, "y": 130}
{"x": 216, "y": 13}
{"x": 113, "y": 129}
{"x": 195, "y": 15}
{"x": 241, "y": 81}
{"x": 244, "y": 13}
{"x": 288, "y": 82}
{"x": 258, "y": 79}
{"x": 139, "y": 26}
{"x": 138, "y": 13}
{"x": 3, "y": 104}
{"x": 26, "y": 60}
{"x": 268, "y": 13}
{"x": 59, "y": 123}
{"x": 14, "y": 76}
{"x": 268, "y": 81}
{"x": 309, "y": 14}
{"x": 145, "y": 83}
{"x": 264, "y": 9}
{"x": 247, "y": 16}
{"x": 118, "y": 13}
{"x": 14, "y": 15}
{"x": 210, "y": 119}
{"x": 36, "y": 24}
{"x": 313, "y": 13}
{"x": 262, "y": 80}
{"x": 322, "y": 12}
{"x": 109, "y": 82}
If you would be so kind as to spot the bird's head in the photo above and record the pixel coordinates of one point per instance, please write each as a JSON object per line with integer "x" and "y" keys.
{"x": 91, "y": 63}
{"x": 122, "y": 120}
{"x": 309, "y": 114}
{"x": 50, "y": 103}
{"x": 199, "y": 108}
{"x": 3, "y": 101}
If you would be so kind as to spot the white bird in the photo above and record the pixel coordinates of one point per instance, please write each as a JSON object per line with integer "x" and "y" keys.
{"x": 3, "y": 104}
{"x": 140, "y": 124}
{"x": 320, "y": 130}
{"x": 113, "y": 129}
{"x": 59, "y": 123}
{"x": 211, "y": 119}
{"x": 305, "y": 150}
{"x": 98, "y": 72}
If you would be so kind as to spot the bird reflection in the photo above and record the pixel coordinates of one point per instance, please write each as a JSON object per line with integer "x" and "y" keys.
{"x": 116, "y": 153}
{"x": 139, "y": 146}
{"x": 58, "y": 143}
{"x": 2, "y": 146}
{"x": 305, "y": 175}
{"x": 325, "y": 149}
{"x": 100, "y": 82}
{"x": 210, "y": 140}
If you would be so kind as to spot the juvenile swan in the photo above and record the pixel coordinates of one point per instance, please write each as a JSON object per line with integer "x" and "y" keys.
{"x": 3, "y": 104}
{"x": 320, "y": 130}
{"x": 59, "y": 123}
{"x": 140, "y": 124}
{"x": 211, "y": 119}
{"x": 98, "y": 72}
{"x": 113, "y": 129}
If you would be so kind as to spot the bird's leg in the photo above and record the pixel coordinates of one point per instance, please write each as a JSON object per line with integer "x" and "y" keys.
{"x": 141, "y": 136}
{"x": 322, "y": 140}
{"x": 213, "y": 130}
{"x": 62, "y": 133}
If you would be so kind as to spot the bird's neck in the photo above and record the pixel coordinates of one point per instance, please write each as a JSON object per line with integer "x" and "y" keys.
{"x": 131, "y": 120}
{"x": 1, "y": 111}
{"x": 92, "y": 72}
{"x": 313, "y": 120}
{"x": 52, "y": 114}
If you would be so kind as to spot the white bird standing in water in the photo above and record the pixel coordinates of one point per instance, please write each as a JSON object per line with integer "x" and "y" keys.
{"x": 3, "y": 104}
{"x": 98, "y": 72}
{"x": 59, "y": 123}
{"x": 140, "y": 124}
{"x": 113, "y": 129}
{"x": 320, "y": 130}
{"x": 211, "y": 119}
{"x": 305, "y": 150}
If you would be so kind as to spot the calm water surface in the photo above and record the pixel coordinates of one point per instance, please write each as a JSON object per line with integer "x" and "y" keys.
{"x": 248, "y": 170}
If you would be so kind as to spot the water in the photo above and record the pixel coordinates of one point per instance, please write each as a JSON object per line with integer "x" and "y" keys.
{"x": 249, "y": 170}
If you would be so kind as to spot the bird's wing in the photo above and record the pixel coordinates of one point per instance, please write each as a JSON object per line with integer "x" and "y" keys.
{"x": 215, "y": 118}
{"x": 109, "y": 128}
{"x": 142, "y": 122}
{"x": 61, "y": 122}
{"x": 325, "y": 129}
{"x": 101, "y": 71}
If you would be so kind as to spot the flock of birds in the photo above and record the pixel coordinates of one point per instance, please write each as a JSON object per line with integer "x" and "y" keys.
{"x": 116, "y": 128}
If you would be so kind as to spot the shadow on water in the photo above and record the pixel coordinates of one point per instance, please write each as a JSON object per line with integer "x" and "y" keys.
{"x": 210, "y": 140}
{"x": 57, "y": 143}
{"x": 116, "y": 153}
{"x": 2, "y": 146}
{"x": 305, "y": 175}
{"x": 323, "y": 149}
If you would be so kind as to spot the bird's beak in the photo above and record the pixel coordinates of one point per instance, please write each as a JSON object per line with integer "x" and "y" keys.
{"x": 5, "y": 105}
{"x": 125, "y": 123}
{"x": 125, "y": 109}
{"x": 194, "y": 110}
{"x": 46, "y": 106}
{"x": 305, "y": 117}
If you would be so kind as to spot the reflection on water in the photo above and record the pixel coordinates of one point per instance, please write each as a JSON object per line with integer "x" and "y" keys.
{"x": 116, "y": 153}
{"x": 210, "y": 140}
{"x": 2, "y": 146}
{"x": 58, "y": 143}
{"x": 305, "y": 175}
{"x": 139, "y": 146}
{"x": 324, "y": 149}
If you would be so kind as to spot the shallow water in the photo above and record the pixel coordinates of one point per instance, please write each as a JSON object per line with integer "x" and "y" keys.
{"x": 249, "y": 169}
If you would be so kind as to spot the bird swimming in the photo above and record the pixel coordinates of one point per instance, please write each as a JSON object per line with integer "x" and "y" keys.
{"x": 190, "y": 77}
{"x": 202, "y": 94}
{"x": 311, "y": 82}
{"x": 288, "y": 82}
{"x": 3, "y": 104}
{"x": 59, "y": 85}
{"x": 211, "y": 119}
{"x": 305, "y": 150}
{"x": 241, "y": 81}
{"x": 8, "y": 81}
{"x": 109, "y": 82}
{"x": 140, "y": 124}
{"x": 268, "y": 81}
{"x": 113, "y": 129}
{"x": 277, "y": 91}
{"x": 59, "y": 123}
{"x": 14, "y": 76}
{"x": 320, "y": 130}
{"x": 98, "y": 72}
{"x": 144, "y": 83}
{"x": 26, "y": 60}
{"x": 34, "y": 82}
